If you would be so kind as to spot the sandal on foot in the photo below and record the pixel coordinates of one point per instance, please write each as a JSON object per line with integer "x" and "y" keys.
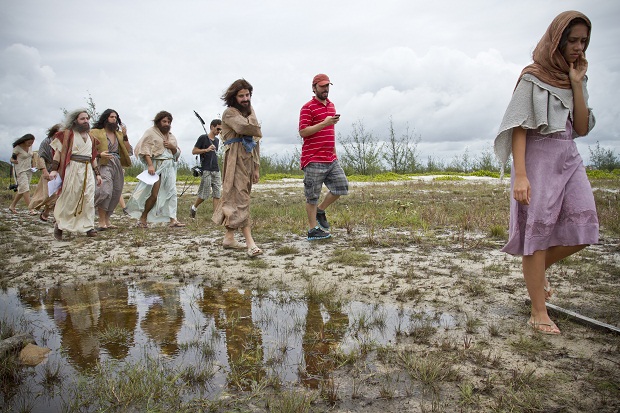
{"x": 101, "y": 229}
{"x": 236, "y": 245}
{"x": 254, "y": 251}
{"x": 112, "y": 226}
{"x": 176, "y": 224}
{"x": 44, "y": 217}
{"x": 141, "y": 224}
{"x": 91, "y": 233}
{"x": 541, "y": 327}
{"x": 13, "y": 210}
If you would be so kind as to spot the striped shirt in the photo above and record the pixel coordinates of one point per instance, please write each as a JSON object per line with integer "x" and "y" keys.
{"x": 321, "y": 146}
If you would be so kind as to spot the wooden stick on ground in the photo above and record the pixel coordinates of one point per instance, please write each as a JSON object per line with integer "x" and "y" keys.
{"x": 581, "y": 319}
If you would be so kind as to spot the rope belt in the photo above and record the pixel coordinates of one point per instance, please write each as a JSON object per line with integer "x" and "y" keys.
{"x": 85, "y": 160}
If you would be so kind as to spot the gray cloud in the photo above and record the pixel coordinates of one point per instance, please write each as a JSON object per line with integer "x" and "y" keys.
{"x": 446, "y": 69}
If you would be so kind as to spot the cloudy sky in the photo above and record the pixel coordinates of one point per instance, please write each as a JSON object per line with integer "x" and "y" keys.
{"x": 446, "y": 69}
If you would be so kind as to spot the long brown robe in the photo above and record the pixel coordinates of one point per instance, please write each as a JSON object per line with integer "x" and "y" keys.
{"x": 233, "y": 210}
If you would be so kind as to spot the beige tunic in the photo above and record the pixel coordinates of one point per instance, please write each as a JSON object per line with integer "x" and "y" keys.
{"x": 74, "y": 212}
{"x": 23, "y": 173}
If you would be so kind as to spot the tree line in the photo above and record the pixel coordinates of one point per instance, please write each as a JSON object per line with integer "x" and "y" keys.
{"x": 364, "y": 153}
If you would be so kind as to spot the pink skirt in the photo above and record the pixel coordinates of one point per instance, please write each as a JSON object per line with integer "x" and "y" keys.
{"x": 561, "y": 209}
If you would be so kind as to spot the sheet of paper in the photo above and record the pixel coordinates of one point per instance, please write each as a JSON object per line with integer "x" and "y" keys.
{"x": 54, "y": 185}
{"x": 148, "y": 178}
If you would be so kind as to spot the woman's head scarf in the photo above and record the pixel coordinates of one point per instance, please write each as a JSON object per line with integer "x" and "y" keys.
{"x": 549, "y": 64}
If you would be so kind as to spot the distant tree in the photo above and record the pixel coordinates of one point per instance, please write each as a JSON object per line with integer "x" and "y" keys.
{"x": 434, "y": 165}
{"x": 461, "y": 163}
{"x": 401, "y": 152}
{"x": 91, "y": 109}
{"x": 487, "y": 161}
{"x": 284, "y": 163}
{"x": 362, "y": 151}
{"x": 603, "y": 159}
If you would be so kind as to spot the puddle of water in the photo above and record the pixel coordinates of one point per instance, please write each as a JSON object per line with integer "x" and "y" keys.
{"x": 236, "y": 335}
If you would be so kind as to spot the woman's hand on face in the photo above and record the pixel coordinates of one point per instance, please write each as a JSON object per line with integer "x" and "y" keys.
{"x": 578, "y": 69}
{"x": 522, "y": 190}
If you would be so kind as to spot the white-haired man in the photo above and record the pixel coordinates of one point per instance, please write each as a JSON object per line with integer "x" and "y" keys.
{"x": 75, "y": 161}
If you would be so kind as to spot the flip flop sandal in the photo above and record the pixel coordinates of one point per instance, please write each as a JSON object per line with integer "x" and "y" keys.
{"x": 555, "y": 331}
{"x": 176, "y": 224}
{"x": 254, "y": 251}
{"x": 141, "y": 224}
{"x": 234, "y": 246}
{"x": 44, "y": 217}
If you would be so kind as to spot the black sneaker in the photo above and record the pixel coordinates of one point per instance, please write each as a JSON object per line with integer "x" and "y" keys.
{"x": 322, "y": 219}
{"x": 317, "y": 233}
{"x": 192, "y": 212}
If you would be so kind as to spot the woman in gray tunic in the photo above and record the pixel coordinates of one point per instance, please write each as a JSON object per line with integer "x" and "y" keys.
{"x": 552, "y": 213}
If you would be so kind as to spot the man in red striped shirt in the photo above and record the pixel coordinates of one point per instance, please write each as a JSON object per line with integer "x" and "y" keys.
{"x": 318, "y": 157}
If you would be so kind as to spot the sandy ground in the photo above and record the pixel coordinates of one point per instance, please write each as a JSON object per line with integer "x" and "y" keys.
{"x": 443, "y": 278}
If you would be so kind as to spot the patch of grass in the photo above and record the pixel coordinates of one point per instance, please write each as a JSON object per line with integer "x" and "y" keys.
{"x": 292, "y": 401}
{"x": 422, "y": 331}
{"x": 448, "y": 178}
{"x": 471, "y": 324}
{"x": 287, "y": 250}
{"x": 149, "y": 384}
{"x": 257, "y": 263}
{"x": 407, "y": 294}
{"x": 498, "y": 232}
{"x": 114, "y": 334}
{"x": 200, "y": 373}
{"x": 529, "y": 345}
{"x": 467, "y": 395}
{"x": 430, "y": 368}
{"x": 350, "y": 257}
{"x": 52, "y": 374}
{"x": 476, "y": 287}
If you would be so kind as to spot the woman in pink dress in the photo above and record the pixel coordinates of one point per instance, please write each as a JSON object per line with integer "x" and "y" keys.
{"x": 552, "y": 213}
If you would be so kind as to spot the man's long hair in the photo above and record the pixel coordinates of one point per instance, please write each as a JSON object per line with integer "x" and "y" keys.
{"x": 161, "y": 115}
{"x": 230, "y": 96}
{"x": 71, "y": 118}
{"x": 52, "y": 131}
{"x": 100, "y": 124}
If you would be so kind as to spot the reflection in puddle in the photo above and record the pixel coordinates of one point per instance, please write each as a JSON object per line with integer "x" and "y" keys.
{"x": 214, "y": 338}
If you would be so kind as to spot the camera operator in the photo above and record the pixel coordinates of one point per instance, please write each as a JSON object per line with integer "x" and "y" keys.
{"x": 211, "y": 181}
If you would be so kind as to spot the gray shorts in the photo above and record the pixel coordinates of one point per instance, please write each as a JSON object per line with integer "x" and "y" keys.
{"x": 330, "y": 174}
{"x": 210, "y": 184}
